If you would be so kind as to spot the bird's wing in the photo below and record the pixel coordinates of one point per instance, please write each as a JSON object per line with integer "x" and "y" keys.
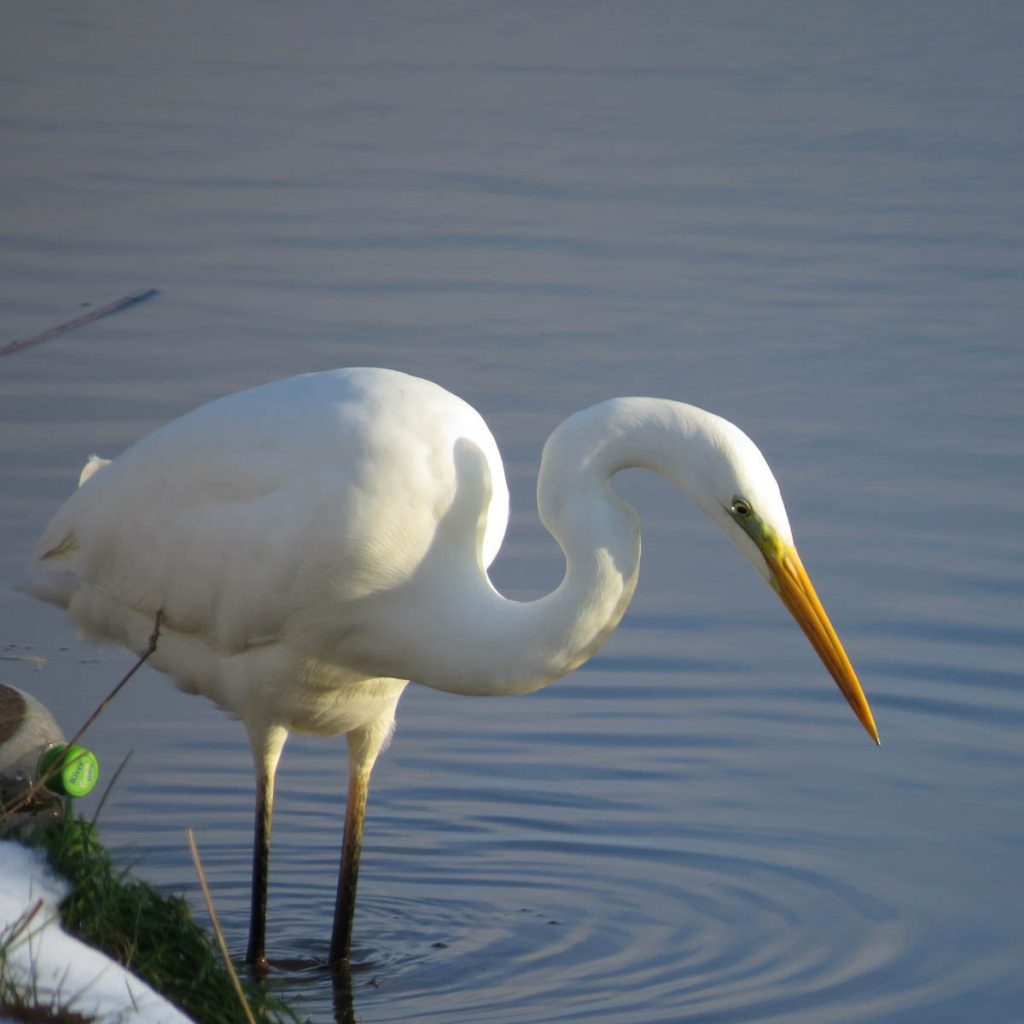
{"x": 239, "y": 519}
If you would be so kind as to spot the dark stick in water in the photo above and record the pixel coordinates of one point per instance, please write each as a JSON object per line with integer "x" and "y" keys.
{"x": 114, "y": 307}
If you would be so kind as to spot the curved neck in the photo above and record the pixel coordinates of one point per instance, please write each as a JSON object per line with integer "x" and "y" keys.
{"x": 479, "y": 642}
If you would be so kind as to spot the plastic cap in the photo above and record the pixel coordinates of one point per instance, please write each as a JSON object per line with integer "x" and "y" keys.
{"x": 75, "y": 775}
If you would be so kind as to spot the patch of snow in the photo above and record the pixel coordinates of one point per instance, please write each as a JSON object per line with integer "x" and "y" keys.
{"x": 59, "y": 969}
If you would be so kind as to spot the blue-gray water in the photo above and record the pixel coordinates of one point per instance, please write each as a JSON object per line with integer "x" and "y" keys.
{"x": 806, "y": 217}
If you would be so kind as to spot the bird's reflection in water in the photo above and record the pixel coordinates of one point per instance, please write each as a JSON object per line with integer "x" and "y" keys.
{"x": 344, "y": 1004}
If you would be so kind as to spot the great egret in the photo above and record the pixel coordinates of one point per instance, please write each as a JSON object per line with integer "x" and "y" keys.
{"x": 313, "y": 543}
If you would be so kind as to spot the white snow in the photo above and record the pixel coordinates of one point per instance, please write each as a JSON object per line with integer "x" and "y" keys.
{"x": 60, "y": 969}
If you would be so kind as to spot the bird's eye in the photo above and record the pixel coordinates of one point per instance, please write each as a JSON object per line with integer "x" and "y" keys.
{"x": 741, "y": 507}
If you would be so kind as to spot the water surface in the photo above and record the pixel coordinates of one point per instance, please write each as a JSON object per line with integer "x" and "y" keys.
{"x": 806, "y": 218}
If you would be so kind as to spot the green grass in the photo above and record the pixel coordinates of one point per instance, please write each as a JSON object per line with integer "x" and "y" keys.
{"x": 149, "y": 932}
{"x": 27, "y": 1007}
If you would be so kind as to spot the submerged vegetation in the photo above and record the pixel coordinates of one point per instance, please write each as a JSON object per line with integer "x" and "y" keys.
{"x": 152, "y": 934}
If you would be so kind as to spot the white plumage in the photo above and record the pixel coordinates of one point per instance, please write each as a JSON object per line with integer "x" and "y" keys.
{"x": 314, "y": 543}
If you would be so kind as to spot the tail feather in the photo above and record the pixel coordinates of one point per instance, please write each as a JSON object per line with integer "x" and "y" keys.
{"x": 50, "y": 576}
{"x": 94, "y": 463}
{"x": 53, "y": 584}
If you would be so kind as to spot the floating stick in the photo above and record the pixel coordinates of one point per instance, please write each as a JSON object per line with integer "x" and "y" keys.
{"x": 114, "y": 307}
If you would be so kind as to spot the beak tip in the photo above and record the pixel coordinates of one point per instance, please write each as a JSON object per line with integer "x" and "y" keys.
{"x": 793, "y": 585}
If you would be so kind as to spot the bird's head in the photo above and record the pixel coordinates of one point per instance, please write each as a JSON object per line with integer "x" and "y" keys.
{"x": 737, "y": 489}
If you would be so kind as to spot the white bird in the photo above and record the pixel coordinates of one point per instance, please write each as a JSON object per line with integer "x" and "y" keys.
{"x": 314, "y": 543}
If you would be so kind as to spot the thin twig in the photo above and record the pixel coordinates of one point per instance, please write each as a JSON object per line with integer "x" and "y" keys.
{"x": 217, "y": 930}
{"x": 85, "y": 318}
{"x": 150, "y": 648}
{"x": 110, "y": 785}
{"x": 21, "y": 924}
{"x": 58, "y": 762}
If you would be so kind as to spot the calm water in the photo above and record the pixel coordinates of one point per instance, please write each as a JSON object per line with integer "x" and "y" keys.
{"x": 805, "y": 217}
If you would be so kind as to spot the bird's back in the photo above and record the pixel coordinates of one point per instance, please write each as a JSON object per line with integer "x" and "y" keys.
{"x": 266, "y": 517}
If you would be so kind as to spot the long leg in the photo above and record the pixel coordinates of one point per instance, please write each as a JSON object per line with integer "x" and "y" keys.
{"x": 364, "y": 744}
{"x": 348, "y": 872}
{"x": 266, "y": 746}
{"x": 257, "y": 953}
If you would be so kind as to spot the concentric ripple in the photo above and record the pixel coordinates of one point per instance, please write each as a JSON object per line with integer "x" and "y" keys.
{"x": 608, "y": 853}
{"x": 560, "y": 895}
{"x": 620, "y": 931}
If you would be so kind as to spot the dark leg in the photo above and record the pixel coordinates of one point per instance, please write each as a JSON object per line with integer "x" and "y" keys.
{"x": 257, "y": 954}
{"x": 348, "y": 873}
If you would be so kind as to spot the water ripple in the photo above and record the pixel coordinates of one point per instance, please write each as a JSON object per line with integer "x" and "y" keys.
{"x": 727, "y": 927}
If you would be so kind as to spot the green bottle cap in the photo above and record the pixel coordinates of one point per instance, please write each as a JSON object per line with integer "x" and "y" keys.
{"x": 75, "y": 775}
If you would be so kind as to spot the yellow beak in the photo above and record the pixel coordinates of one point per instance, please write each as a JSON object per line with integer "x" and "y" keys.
{"x": 793, "y": 585}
